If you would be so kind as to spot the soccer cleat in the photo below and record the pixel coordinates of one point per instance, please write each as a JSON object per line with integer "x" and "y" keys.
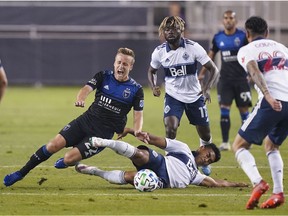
{"x": 12, "y": 178}
{"x": 257, "y": 192}
{"x": 85, "y": 169}
{"x": 59, "y": 164}
{"x": 274, "y": 201}
{"x": 206, "y": 170}
{"x": 225, "y": 146}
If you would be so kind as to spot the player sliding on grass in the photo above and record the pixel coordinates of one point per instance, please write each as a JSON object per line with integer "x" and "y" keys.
{"x": 267, "y": 62}
{"x": 178, "y": 169}
{"x": 116, "y": 94}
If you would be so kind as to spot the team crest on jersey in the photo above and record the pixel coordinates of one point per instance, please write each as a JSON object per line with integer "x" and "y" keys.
{"x": 126, "y": 93}
{"x": 185, "y": 56}
{"x": 237, "y": 41}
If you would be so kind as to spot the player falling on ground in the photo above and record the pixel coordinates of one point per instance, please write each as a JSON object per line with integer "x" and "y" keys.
{"x": 177, "y": 169}
{"x": 116, "y": 94}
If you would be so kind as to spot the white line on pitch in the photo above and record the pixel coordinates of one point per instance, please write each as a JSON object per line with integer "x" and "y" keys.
{"x": 128, "y": 194}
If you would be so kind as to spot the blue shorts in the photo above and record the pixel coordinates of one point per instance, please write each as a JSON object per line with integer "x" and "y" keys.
{"x": 196, "y": 112}
{"x": 157, "y": 164}
{"x": 263, "y": 121}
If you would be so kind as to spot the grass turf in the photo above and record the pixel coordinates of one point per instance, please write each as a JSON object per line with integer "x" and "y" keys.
{"x": 29, "y": 117}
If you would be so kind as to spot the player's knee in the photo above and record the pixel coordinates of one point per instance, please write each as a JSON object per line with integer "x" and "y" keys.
{"x": 171, "y": 132}
{"x": 72, "y": 157}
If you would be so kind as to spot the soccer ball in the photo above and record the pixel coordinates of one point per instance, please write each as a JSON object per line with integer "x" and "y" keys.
{"x": 145, "y": 180}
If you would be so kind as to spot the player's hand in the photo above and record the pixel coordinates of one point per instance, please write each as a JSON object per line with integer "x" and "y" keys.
{"x": 79, "y": 103}
{"x": 275, "y": 104}
{"x": 123, "y": 134}
{"x": 142, "y": 136}
{"x": 206, "y": 95}
{"x": 156, "y": 91}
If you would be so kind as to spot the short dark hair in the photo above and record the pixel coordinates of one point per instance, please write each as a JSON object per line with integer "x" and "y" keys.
{"x": 216, "y": 151}
{"x": 256, "y": 25}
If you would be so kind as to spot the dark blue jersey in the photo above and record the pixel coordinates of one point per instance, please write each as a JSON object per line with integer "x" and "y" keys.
{"x": 114, "y": 99}
{"x": 229, "y": 46}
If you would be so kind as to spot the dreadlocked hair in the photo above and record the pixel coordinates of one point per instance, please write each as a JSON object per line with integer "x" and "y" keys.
{"x": 171, "y": 21}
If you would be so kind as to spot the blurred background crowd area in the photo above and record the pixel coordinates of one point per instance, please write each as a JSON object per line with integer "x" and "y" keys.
{"x": 66, "y": 43}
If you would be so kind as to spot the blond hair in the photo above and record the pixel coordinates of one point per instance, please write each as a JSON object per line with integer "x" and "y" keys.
{"x": 126, "y": 51}
{"x": 171, "y": 21}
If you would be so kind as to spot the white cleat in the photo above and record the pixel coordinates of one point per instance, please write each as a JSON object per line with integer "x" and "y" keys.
{"x": 85, "y": 169}
{"x": 225, "y": 146}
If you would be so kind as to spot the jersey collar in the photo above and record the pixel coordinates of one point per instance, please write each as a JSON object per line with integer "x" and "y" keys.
{"x": 258, "y": 38}
{"x": 182, "y": 44}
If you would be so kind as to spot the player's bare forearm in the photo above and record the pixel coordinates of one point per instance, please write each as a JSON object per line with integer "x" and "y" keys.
{"x": 210, "y": 182}
{"x": 82, "y": 95}
{"x": 257, "y": 77}
{"x": 213, "y": 75}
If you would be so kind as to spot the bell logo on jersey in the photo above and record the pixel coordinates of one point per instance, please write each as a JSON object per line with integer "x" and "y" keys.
{"x": 178, "y": 71}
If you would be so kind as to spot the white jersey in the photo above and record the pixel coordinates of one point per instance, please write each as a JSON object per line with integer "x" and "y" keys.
{"x": 272, "y": 60}
{"x": 181, "y": 174}
{"x": 180, "y": 67}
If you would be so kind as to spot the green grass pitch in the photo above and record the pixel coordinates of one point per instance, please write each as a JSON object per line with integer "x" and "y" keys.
{"x": 29, "y": 117}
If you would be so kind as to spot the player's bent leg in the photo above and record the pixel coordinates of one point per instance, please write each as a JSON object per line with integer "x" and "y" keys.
{"x": 119, "y": 147}
{"x": 274, "y": 201}
{"x": 71, "y": 158}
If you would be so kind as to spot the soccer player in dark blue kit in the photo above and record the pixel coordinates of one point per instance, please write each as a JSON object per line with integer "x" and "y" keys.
{"x": 115, "y": 96}
{"x": 233, "y": 82}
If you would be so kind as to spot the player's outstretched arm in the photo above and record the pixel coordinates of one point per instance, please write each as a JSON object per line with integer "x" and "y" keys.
{"x": 210, "y": 182}
{"x": 145, "y": 137}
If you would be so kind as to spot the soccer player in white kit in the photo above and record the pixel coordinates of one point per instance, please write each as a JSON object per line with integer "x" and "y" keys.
{"x": 177, "y": 169}
{"x": 267, "y": 62}
{"x": 179, "y": 58}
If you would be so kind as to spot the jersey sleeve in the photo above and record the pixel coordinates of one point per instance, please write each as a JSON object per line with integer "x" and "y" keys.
{"x": 214, "y": 47}
{"x": 138, "y": 103}
{"x": 201, "y": 54}
{"x": 155, "y": 59}
{"x": 96, "y": 81}
{"x": 244, "y": 57}
{"x": 198, "y": 178}
{"x": 174, "y": 145}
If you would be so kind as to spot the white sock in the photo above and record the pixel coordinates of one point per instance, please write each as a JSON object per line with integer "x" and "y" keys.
{"x": 114, "y": 176}
{"x": 276, "y": 168}
{"x": 203, "y": 142}
{"x": 248, "y": 164}
{"x": 120, "y": 147}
